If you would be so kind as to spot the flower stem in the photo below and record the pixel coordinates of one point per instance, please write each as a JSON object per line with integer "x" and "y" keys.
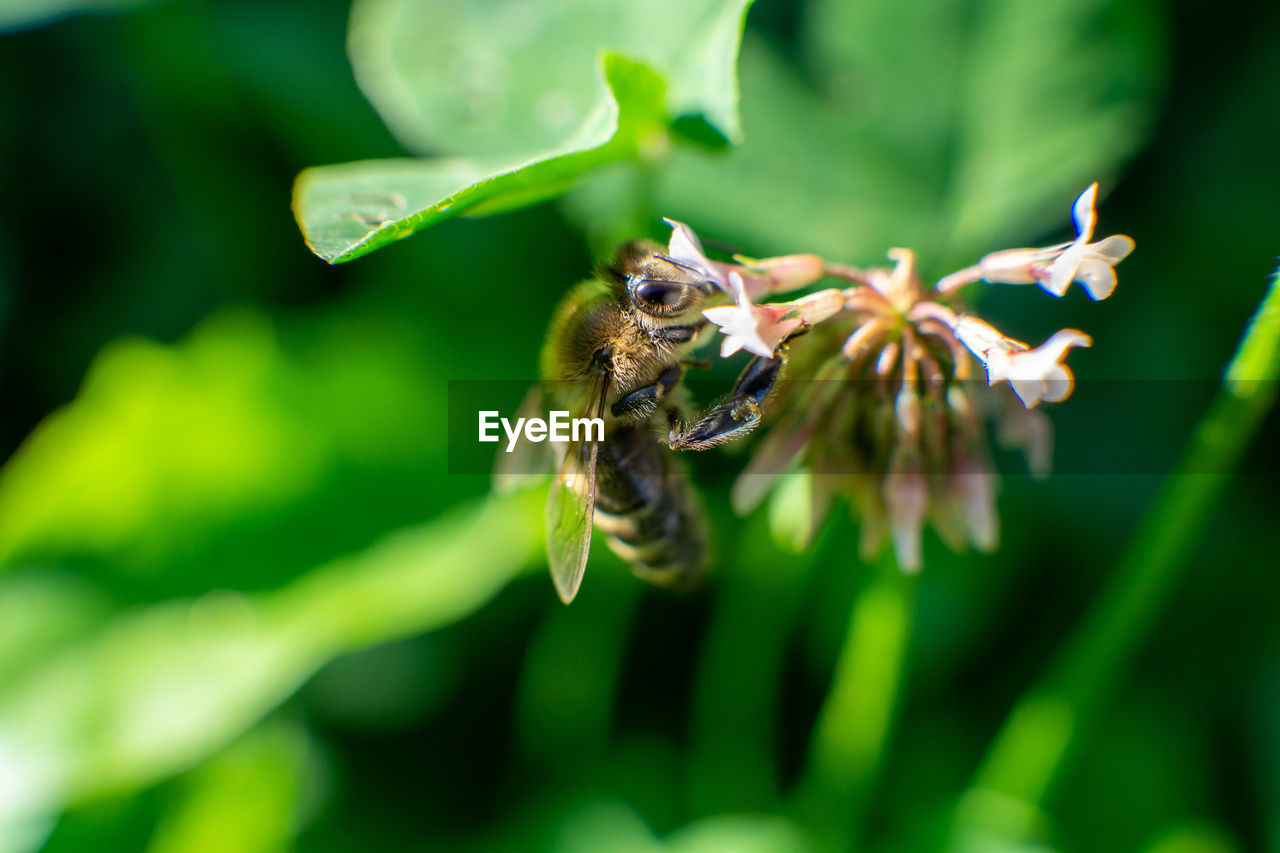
{"x": 732, "y": 752}
{"x": 856, "y": 719}
{"x": 1035, "y": 742}
{"x": 845, "y": 273}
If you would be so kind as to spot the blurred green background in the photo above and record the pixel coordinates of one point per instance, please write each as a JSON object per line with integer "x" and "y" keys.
{"x": 245, "y": 607}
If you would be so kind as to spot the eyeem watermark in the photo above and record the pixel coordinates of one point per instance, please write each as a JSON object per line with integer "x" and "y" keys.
{"x": 559, "y": 428}
{"x": 1161, "y": 409}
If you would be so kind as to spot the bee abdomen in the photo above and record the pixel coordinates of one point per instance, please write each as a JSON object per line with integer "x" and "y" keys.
{"x": 649, "y": 510}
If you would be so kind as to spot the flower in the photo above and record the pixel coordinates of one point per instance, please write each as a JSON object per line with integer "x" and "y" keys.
{"x": 1055, "y": 267}
{"x": 891, "y": 415}
{"x": 1033, "y": 374}
{"x": 756, "y": 328}
{"x": 888, "y": 417}
{"x": 1091, "y": 264}
{"x": 906, "y": 497}
{"x": 778, "y": 275}
{"x": 758, "y": 277}
{"x": 1030, "y": 431}
{"x": 760, "y": 328}
{"x": 685, "y": 249}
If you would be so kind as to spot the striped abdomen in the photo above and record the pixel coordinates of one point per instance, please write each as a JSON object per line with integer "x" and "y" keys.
{"x": 649, "y": 510}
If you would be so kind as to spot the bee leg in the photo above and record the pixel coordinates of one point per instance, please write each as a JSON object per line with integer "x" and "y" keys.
{"x": 734, "y": 415}
{"x": 643, "y": 402}
{"x": 678, "y": 334}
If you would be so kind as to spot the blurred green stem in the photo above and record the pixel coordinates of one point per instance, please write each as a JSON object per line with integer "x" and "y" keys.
{"x": 733, "y": 764}
{"x": 1030, "y": 751}
{"x": 565, "y": 701}
{"x": 855, "y": 721}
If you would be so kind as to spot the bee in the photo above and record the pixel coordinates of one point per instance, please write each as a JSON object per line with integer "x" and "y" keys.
{"x": 617, "y": 348}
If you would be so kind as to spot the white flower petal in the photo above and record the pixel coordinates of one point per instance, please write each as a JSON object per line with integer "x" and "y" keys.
{"x": 1034, "y": 375}
{"x": 1063, "y": 270}
{"x": 722, "y": 315}
{"x": 685, "y": 246}
{"x": 749, "y": 341}
{"x": 1083, "y": 213}
{"x": 1039, "y": 374}
{"x": 906, "y": 496}
{"x": 999, "y": 367}
{"x": 1059, "y": 342}
{"x": 1029, "y": 390}
{"x": 730, "y": 345}
{"x": 1098, "y": 278}
{"x": 1031, "y": 432}
{"x": 977, "y": 489}
{"x": 1059, "y": 384}
{"x": 1113, "y": 249}
{"x": 746, "y": 326}
{"x": 907, "y": 410}
{"x": 735, "y": 287}
{"x": 1056, "y": 385}
{"x": 978, "y": 335}
{"x": 739, "y": 327}
{"x": 988, "y": 345}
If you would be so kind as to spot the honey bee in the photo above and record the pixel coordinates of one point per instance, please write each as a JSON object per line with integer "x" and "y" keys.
{"x": 616, "y": 350}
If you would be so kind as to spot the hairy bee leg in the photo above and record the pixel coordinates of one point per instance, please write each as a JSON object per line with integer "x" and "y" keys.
{"x": 677, "y": 334}
{"x": 735, "y": 415}
{"x": 643, "y": 402}
{"x": 759, "y": 376}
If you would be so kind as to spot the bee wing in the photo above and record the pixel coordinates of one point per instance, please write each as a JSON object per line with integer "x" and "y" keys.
{"x": 571, "y": 507}
{"x": 528, "y": 461}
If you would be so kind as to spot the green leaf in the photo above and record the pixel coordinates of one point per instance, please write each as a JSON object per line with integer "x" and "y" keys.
{"x": 232, "y": 458}
{"x": 521, "y": 100}
{"x": 947, "y": 126}
{"x": 349, "y": 210}
{"x": 160, "y": 439}
{"x": 18, "y": 14}
{"x": 611, "y": 825}
{"x": 744, "y": 833}
{"x": 161, "y": 688}
{"x": 807, "y": 178}
{"x": 41, "y": 613}
{"x": 1194, "y": 836}
{"x": 1053, "y": 96}
{"x": 228, "y": 459}
{"x": 244, "y": 799}
{"x": 485, "y": 77}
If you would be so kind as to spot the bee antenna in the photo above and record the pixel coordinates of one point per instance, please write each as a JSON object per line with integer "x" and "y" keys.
{"x": 676, "y": 263}
{"x": 702, "y": 275}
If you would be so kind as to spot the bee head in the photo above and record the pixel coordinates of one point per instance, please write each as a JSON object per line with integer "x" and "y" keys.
{"x": 654, "y": 284}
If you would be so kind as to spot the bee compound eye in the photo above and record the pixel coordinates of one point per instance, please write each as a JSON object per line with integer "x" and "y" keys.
{"x": 657, "y": 294}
